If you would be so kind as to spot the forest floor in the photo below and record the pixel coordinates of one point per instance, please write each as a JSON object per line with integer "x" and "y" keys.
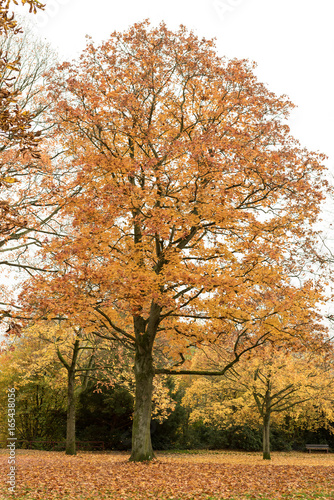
{"x": 213, "y": 475}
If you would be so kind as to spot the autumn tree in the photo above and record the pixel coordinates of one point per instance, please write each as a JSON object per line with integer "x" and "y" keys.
{"x": 25, "y": 178}
{"x": 14, "y": 122}
{"x": 40, "y": 385}
{"x": 76, "y": 352}
{"x": 272, "y": 384}
{"x": 70, "y": 349}
{"x": 194, "y": 206}
{"x": 34, "y": 58}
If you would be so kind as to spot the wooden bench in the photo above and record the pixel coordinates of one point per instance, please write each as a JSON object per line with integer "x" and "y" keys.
{"x": 321, "y": 447}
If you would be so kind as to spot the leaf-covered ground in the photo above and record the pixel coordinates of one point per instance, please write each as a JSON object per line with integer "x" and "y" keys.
{"x": 214, "y": 475}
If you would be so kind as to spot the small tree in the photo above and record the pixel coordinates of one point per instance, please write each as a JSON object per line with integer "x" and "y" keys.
{"x": 268, "y": 386}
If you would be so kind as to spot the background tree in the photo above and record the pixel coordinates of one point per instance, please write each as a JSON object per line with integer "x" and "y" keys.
{"x": 193, "y": 210}
{"x": 24, "y": 186}
{"x": 14, "y": 121}
{"x": 40, "y": 385}
{"x": 71, "y": 348}
{"x": 271, "y": 385}
{"x": 75, "y": 351}
{"x": 26, "y": 180}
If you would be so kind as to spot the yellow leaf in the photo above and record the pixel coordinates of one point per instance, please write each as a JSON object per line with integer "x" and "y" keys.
{"x": 11, "y": 180}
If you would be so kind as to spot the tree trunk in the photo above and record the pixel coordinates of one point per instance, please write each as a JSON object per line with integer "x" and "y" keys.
{"x": 141, "y": 435}
{"x": 266, "y": 437}
{"x": 70, "y": 431}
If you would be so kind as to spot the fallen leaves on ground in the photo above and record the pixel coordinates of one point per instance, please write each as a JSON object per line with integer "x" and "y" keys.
{"x": 221, "y": 475}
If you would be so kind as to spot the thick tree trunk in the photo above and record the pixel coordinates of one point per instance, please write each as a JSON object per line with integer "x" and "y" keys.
{"x": 141, "y": 435}
{"x": 70, "y": 431}
{"x": 266, "y": 437}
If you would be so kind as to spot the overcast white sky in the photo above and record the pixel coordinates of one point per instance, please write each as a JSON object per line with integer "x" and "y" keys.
{"x": 292, "y": 42}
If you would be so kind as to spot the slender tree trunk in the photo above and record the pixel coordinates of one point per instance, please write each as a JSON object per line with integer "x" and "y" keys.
{"x": 70, "y": 431}
{"x": 266, "y": 437}
{"x": 141, "y": 435}
{"x": 70, "y": 428}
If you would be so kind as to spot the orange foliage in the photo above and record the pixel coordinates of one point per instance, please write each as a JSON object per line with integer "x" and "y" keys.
{"x": 193, "y": 205}
{"x": 193, "y": 200}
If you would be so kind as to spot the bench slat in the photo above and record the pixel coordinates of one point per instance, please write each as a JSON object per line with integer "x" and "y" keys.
{"x": 310, "y": 447}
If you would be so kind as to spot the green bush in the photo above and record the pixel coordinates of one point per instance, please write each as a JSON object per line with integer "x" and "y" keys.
{"x": 105, "y": 416}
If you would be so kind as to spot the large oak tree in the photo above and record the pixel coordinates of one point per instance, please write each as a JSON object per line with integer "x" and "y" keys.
{"x": 193, "y": 210}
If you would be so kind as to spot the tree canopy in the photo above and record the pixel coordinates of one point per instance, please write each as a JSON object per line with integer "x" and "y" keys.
{"x": 193, "y": 206}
